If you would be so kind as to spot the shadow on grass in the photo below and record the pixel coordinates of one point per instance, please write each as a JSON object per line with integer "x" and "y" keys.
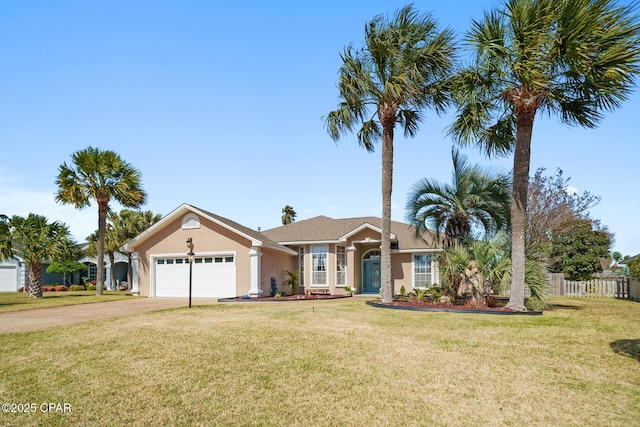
{"x": 629, "y": 348}
{"x": 565, "y": 307}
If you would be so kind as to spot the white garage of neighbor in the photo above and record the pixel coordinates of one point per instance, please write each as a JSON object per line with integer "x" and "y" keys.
{"x": 212, "y": 276}
{"x": 8, "y": 278}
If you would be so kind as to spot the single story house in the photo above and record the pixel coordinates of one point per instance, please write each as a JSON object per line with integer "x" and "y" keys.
{"x": 233, "y": 260}
{"x": 13, "y": 273}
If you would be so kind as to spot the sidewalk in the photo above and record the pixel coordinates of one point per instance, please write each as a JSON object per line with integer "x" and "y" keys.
{"x": 43, "y": 318}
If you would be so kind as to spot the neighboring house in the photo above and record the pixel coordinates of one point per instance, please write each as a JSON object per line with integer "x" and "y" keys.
{"x": 233, "y": 260}
{"x": 13, "y": 273}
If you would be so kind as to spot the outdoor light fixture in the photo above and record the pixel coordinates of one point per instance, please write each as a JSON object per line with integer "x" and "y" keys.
{"x": 190, "y": 254}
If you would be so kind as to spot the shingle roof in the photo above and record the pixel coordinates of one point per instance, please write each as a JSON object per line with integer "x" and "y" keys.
{"x": 239, "y": 227}
{"x": 322, "y": 228}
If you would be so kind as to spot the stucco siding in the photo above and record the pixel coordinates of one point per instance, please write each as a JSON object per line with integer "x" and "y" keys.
{"x": 401, "y": 271}
{"x": 275, "y": 264}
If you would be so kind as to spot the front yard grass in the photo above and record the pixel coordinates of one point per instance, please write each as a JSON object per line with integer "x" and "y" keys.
{"x": 332, "y": 363}
{"x": 18, "y": 301}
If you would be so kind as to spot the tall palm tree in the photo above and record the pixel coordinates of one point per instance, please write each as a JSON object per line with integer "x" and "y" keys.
{"x": 474, "y": 197}
{"x": 129, "y": 223}
{"x": 288, "y": 215}
{"x": 575, "y": 59}
{"x": 391, "y": 80}
{"x": 35, "y": 240}
{"x": 111, "y": 246}
{"x": 100, "y": 176}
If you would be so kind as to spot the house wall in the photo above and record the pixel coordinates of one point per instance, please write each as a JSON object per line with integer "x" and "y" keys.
{"x": 209, "y": 238}
{"x": 402, "y": 272}
{"x": 275, "y": 264}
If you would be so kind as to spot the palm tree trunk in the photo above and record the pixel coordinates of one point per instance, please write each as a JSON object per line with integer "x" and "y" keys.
{"x": 102, "y": 228}
{"x": 35, "y": 280}
{"x": 386, "y": 289}
{"x": 521, "y": 163}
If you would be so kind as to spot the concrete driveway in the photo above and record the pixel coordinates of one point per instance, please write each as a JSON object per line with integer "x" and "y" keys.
{"x": 43, "y": 318}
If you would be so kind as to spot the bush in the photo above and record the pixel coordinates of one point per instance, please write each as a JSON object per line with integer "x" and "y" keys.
{"x": 77, "y": 288}
{"x": 91, "y": 287}
{"x": 21, "y": 289}
{"x": 61, "y": 288}
{"x": 48, "y": 289}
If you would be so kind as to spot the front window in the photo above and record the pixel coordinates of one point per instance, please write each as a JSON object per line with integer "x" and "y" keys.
{"x": 319, "y": 255}
{"x": 421, "y": 271}
{"x": 341, "y": 266}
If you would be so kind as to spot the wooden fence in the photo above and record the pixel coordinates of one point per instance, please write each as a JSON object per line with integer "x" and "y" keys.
{"x": 617, "y": 287}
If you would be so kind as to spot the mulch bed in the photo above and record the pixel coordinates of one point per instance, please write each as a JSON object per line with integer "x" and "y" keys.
{"x": 430, "y": 306}
{"x": 286, "y": 298}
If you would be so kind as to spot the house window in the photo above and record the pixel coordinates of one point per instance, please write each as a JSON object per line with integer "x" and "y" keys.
{"x": 190, "y": 221}
{"x": 421, "y": 271}
{"x": 228, "y": 259}
{"x": 93, "y": 272}
{"x": 341, "y": 266}
{"x": 319, "y": 256}
{"x": 301, "y": 265}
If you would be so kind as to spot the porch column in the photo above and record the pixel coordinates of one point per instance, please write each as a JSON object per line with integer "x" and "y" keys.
{"x": 351, "y": 268}
{"x": 254, "y": 256}
{"x": 107, "y": 272}
{"x": 135, "y": 258}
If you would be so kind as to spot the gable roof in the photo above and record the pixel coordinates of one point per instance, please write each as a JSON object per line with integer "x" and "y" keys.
{"x": 322, "y": 229}
{"x": 256, "y": 238}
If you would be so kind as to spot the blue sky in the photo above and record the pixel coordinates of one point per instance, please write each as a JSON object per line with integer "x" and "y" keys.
{"x": 220, "y": 105}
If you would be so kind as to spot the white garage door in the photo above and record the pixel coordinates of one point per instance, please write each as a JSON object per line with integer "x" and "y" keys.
{"x": 213, "y": 276}
{"x": 8, "y": 278}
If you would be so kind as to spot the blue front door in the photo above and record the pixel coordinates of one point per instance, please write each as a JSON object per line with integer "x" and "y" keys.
{"x": 370, "y": 276}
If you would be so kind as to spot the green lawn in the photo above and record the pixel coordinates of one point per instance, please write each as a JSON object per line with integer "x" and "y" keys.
{"x": 332, "y": 363}
{"x": 18, "y": 301}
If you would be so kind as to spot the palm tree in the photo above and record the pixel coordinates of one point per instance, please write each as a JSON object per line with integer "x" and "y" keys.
{"x": 288, "y": 215}
{"x": 572, "y": 58}
{"x": 35, "y": 240}
{"x": 474, "y": 197}
{"x": 128, "y": 224}
{"x": 111, "y": 246}
{"x": 99, "y": 176}
{"x": 484, "y": 268}
{"x": 398, "y": 73}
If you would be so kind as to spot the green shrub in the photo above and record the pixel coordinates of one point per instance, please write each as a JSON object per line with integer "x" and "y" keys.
{"x": 434, "y": 293}
{"x": 77, "y": 288}
{"x": 403, "y": 290}
{"x": 91, "y": 287}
